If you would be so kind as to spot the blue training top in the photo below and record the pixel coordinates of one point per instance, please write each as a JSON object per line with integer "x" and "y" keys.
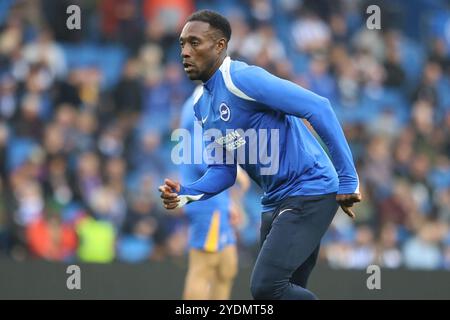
{"x": 254, "y": 116}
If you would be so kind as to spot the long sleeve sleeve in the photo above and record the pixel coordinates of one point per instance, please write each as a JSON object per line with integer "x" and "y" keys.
{"x": 289, "y": 98}
{"x": 217, "y": 178}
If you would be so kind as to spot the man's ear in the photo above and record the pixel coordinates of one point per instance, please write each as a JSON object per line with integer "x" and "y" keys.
{"x": 221, "y": 45}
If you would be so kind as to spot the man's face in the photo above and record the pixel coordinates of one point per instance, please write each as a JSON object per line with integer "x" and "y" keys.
{"x": 200, "y": 49}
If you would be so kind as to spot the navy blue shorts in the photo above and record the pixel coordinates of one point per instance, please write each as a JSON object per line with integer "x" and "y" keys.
{"x": 290, "y": 237}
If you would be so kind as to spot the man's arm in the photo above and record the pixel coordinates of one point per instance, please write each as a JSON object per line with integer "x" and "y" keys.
{"x": 288, "y": 97}
{"x": 215, "y": 180}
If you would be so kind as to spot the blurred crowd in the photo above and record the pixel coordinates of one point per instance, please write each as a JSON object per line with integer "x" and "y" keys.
{"x": 86, "y": 118}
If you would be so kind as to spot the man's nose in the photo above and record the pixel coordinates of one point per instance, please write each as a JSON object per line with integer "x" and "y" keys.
{"x": 185, "y": 52}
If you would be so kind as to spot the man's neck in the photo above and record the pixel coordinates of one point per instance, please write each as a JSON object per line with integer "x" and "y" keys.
{"x": 216, "y": 66}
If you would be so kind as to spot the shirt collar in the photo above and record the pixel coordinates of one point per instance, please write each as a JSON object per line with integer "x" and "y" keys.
{"x": 209, "y": 84}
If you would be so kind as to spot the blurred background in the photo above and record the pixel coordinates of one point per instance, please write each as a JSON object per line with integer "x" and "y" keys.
{"x": 86, "y": 117}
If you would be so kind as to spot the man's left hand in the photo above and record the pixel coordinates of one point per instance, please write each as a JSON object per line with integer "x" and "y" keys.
{"x": 346, "y": 201}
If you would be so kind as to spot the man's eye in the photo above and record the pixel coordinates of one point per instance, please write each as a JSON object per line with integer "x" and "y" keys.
{"x": 195, "y": 43}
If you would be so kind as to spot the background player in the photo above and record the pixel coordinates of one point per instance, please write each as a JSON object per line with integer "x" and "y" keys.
{"x": 213, "y": 258}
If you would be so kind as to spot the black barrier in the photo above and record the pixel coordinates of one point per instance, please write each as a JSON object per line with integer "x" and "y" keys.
{"x": 164, "y": 280}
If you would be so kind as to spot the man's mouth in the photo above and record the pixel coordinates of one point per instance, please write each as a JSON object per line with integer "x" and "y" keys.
{"x": 187, "y": 67}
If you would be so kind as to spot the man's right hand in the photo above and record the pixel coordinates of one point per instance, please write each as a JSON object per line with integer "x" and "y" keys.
{"x": 169, "y": 194}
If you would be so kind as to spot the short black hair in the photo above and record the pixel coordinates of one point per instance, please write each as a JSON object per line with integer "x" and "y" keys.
{"x": 215, "y": 20}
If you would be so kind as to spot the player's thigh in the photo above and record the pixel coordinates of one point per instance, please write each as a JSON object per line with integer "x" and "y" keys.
{"x": 228, "y": 265}
{"x": 199, "y": 276}
{"x": 202, "y": 264}
{"x": 297, "y": 229}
